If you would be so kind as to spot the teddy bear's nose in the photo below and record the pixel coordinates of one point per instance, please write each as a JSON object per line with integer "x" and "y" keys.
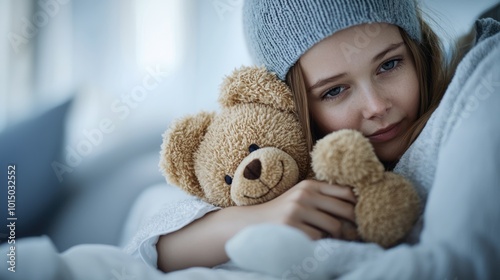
{"x": 252, "y": 170}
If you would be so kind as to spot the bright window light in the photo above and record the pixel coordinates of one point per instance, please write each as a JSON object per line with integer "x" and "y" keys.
{"x": 4, "y": 66}
{"x": 159, "y": 32}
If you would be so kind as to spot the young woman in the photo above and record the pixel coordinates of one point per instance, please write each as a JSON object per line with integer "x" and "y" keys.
{"x": 374, "y": 66}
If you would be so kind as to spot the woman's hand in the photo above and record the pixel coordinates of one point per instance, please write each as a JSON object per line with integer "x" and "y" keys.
{"x": 317, "y": 208}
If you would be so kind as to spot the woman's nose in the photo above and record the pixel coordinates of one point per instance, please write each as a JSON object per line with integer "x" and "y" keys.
{"x": 375, "y": 103}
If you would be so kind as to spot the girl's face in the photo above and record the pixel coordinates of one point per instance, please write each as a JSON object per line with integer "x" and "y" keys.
{"x": 363, "y": 78}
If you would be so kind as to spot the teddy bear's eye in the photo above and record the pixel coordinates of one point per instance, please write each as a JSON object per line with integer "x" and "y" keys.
{"x": 228, "y": 180}
{"x": 253, "y": 148}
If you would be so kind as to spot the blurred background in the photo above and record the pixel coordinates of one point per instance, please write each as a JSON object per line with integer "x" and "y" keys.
{"x": 87, "y": 87}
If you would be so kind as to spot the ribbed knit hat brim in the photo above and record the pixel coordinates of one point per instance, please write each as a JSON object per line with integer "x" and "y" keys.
{"x": 278, "y": 32}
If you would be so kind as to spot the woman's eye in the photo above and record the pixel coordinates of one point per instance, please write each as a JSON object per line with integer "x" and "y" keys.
{"x": 389, "y": 65}
{"x": 333, "y": 92}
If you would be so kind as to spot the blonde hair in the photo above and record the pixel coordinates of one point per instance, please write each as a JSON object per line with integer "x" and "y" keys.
{"x": 433, "y": 73}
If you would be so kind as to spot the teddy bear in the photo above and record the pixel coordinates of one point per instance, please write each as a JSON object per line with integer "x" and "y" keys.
{"x": 253, "y": 150}
{"x": 249, "y": 152}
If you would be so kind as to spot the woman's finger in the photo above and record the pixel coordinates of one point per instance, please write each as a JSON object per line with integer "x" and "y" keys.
{"x": 333, "y": 200}
{"x": 311, "y": 231}
{"x": 336, "y": 207}
{"x": 341, "y": 192}
{"x": 323, "y": 222}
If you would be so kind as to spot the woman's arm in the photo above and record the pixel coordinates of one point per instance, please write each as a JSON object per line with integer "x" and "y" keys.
{"x": 201, "y": 243}
{"x": 314, "y": 207}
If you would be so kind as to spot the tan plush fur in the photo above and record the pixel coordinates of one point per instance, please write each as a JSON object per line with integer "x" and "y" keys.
{"x": 199, "y": 151}
{"x": 257, "y": 142}
{"x": 176, "y": 163}
{"x": 388, "y": 205}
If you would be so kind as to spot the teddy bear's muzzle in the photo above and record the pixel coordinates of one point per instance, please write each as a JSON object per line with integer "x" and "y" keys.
{"x": 263, "y": 175}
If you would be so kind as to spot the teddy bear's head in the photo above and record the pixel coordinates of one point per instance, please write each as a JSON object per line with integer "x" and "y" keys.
{"x": 249, "y": 152}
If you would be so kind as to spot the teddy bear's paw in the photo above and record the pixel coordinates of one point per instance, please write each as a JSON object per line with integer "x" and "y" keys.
{"x": 271, "y": 249}
{"x": 346, "y": 157}
{"x": 397, "y": 207}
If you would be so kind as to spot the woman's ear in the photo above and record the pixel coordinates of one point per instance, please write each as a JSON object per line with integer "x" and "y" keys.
{"x": 256, "y": 85}
{"x": 180, "y": 143}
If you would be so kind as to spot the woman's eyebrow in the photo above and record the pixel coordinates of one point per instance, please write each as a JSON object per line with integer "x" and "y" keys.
{"x": 322, "y": 82}
{"x": 379, "y": 56}
{"x": 388, "y": 49}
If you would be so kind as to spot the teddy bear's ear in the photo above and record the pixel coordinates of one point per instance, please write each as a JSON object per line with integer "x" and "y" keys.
{"x": 180, "y": 143}
{"x": 255, "y": 85}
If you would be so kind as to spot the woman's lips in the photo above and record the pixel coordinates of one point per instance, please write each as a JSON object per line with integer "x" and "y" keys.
{"x": 385, "y": 134}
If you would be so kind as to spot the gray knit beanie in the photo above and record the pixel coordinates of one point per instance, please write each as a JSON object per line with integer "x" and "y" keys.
{"x": 278, "y": 32}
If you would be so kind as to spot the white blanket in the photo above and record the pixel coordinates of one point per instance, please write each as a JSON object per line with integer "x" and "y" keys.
{"x": 37, "y": 258}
